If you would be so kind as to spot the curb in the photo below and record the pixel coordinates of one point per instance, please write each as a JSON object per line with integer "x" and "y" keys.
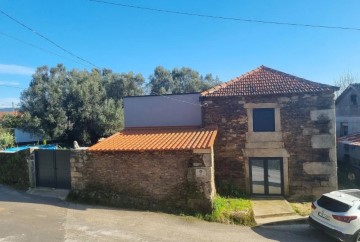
{"x": 286, "y": 222}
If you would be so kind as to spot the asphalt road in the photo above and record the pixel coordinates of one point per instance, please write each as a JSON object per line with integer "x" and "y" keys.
{"x": 25, "y": 217}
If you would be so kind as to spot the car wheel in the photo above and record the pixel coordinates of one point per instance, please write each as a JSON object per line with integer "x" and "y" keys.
{"x": 356, "y": 237}
{"x": 353, "y": 175}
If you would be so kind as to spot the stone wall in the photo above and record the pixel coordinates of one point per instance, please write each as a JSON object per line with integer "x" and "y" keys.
{"x": 14, "y": 168}
{"x": 305, "y": 140}
{"x": 169, "y": 180}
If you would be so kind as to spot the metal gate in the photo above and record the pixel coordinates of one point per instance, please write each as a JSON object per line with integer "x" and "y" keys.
{"x": 53, "y": 168}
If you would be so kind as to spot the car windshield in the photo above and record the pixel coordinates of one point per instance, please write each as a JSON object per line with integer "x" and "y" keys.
{"x": 332, "y": 204}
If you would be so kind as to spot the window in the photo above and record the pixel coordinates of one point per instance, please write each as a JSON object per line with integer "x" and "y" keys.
{"x": 346, "y": 147}
{"x": 344, "y": 130}
{"x": 353, "y": 99}
{"x": 264, "y": 120}
{"x": 333, "y": 205}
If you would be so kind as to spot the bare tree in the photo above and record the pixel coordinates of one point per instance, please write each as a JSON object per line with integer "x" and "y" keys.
{"x": 344, "y": 81}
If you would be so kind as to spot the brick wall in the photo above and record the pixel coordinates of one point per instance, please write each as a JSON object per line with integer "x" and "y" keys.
{"x": 308, "y": 140}
{"x": 172, "y": 180}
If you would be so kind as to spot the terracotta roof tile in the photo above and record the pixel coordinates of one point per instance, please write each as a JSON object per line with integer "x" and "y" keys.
{"x": 352, "y": 139}
{"x": 264, "y": 80}
{"x": 159, "y": 138}
{"x": 2, "y": 114}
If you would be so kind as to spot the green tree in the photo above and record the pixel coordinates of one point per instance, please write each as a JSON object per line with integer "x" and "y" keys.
{"x": 91, "y": 113}
{"x": 120, "y": 85}
{"x": 183, "y": 80}
{"x": 67, "y": 106}
{"x": 161, "y": 82}
{"x": 11, "y": 121}
{"x": 42, "y": 103}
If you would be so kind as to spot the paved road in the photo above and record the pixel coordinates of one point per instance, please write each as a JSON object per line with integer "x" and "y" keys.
{"x": 25, "y": 217}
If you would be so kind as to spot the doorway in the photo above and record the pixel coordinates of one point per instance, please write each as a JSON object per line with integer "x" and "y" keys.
{"x": 266, "y": 176}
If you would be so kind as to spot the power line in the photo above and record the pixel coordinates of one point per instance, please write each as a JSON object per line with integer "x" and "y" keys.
{"x": 47, "y": 39}
{"x": 42, "y": 49}
{"x": 226, "y": 18}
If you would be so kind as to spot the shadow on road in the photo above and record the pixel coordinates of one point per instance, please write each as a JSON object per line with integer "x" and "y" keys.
{"x": 8, "y": 194}
{"x": 289, "y": 232}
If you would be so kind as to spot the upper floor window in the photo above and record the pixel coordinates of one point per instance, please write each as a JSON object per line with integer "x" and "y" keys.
{"x": 353, "y": 99}
{"x": 264, "y": 120}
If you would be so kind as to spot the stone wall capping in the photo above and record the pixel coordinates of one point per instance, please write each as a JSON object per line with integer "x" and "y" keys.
{"x": 261, "y": 105}
{"x": 202, "y": 151}
{"x": 264, "y": 145}
{"x": 252, "y": 137}
{"x": 266, "y": 153}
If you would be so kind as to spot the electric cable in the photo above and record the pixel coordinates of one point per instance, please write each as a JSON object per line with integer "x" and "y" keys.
{"x": 225, "y": 18}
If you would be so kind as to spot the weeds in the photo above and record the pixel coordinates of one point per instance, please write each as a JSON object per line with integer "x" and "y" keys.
{"x": 231, "y": 211}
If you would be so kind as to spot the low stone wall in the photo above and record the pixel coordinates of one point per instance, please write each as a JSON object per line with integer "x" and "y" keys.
{"x": 168, "y": 180}
{"x": 14, "y": 169}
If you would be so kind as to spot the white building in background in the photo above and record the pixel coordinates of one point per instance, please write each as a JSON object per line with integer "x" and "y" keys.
{"x": 22, "y": 136}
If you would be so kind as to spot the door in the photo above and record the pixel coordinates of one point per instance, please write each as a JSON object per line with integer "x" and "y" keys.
{"x": 45, "y": 168}
{"x": 266, "y": 176}
{"x": 53, "y": 168}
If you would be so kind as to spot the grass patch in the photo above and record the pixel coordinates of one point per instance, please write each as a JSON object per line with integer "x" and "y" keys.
{"x": 302, "y": 204}
{"x": 231, "y": 211}
{"x": 301, "y": 208}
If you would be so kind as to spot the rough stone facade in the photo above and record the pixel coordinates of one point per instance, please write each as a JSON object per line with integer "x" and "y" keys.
{"x": 167, "y": 180}
{"x": 16, "y": 169}
{"x": 304, "y": 137}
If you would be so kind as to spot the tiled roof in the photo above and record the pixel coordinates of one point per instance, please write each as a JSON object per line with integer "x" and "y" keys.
{"x": 352, "y": 139}
{"x": 264, "y": 80}
{"x": 2, "y": 114}
{"x": 158, "y": 138}
{"x": 354, "y": 86}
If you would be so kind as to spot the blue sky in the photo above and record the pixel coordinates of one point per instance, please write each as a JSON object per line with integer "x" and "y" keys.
{"x": 125, "y": 39}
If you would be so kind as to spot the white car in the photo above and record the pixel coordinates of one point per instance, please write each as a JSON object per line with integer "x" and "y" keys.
{"x": 338, "y": 214}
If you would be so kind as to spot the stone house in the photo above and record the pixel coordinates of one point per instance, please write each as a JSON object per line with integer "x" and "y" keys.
{"x": 263, "y": 133}
{"x": 276, "y": 134}
{"x": 348, "y": 124}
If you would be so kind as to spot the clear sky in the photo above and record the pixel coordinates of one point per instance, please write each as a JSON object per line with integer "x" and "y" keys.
{"x": 127, "y": 39}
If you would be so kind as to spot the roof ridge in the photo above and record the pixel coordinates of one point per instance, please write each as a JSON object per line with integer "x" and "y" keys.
{"x": 265, "y": 80}
{"x": 163, "y": 127}
{"x": 225, "y": 84}
{"x": 296, "y": 77}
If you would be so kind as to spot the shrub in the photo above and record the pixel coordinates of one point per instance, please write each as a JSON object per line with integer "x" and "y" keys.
{"x": 6, "y": 139}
